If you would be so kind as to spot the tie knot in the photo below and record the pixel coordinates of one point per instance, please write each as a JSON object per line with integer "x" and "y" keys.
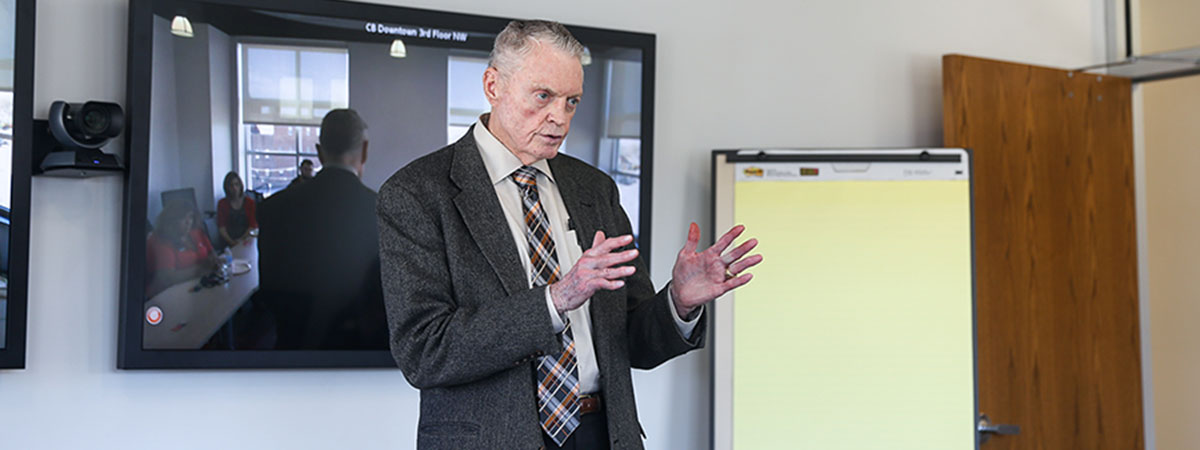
{"x": 525, "y": 176}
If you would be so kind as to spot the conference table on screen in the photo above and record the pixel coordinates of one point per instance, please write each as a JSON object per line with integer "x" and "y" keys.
{"x": 190, "y": 317}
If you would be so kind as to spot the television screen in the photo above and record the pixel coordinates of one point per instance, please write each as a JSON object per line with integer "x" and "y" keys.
{"x": 244, "y": 248}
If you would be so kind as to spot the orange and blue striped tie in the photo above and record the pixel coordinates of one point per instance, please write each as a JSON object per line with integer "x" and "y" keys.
{"x": 558, "y": 377}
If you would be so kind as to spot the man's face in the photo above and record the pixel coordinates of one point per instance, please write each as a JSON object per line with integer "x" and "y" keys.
{"x": 533, "y": 105}
{"x": 306, "y": 170}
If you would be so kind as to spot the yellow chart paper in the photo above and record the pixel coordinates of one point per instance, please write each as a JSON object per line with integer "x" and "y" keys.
{"x": 856, "y": 332}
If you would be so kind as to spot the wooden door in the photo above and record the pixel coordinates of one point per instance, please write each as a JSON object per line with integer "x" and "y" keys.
{"x": 1055, "y": 250}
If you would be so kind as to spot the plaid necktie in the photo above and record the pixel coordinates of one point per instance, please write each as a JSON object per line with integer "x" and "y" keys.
{"x": 558, "y": 377}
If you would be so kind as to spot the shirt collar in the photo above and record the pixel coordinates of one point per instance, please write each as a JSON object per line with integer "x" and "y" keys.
{"x": 341, "y": 166}
{"x": 500, "y": 162}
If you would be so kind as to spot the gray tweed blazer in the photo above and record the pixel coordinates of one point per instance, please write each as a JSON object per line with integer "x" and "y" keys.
{"x": 465, "y": 327}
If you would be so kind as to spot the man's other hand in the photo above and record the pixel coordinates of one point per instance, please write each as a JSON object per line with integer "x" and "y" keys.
{"x": 700, "y": 277}
{"x": 594, "y": 271}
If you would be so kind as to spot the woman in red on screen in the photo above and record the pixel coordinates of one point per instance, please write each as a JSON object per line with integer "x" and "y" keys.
{"x": 235, "y": 212}
{"x": 177, "y": 250}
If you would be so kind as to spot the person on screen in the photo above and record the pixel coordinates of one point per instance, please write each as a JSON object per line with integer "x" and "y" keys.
{"x": 516, "y": 300}
{"x": 306, "y": 173}
{"x": 325, "y": 293}
{"x": 177, "y": 250}
{"x": 235, "y": 213}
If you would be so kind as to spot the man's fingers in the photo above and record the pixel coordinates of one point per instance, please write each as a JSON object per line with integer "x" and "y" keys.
{"x": 594, "y": 270}
{"x": 727, "y": 239}
{"x": 600, "y": 283}
{"x": 596, "y": 261}
{"x": 744, "y": 264}
{"x": 736, "y": 282}
{"x": 612, "y": 273}
{"x": 591, "y": 281}
{"x": 611, "y": 259}
{"x": 608, "y": 245}
{"x": 693, "y": 240}
{"x": 739, "y": 252}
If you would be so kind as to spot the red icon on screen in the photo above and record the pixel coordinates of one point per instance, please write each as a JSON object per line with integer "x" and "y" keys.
{"x": 154, "y": 315}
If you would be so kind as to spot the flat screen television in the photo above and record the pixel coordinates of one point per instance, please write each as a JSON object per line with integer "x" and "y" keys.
{"x": 16, "y": 132}
{"x": 221, "y": 87}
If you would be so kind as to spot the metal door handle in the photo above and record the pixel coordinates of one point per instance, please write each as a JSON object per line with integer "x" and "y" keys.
{"x": 986, "y": 429}
{"x": 1001, "y": 429}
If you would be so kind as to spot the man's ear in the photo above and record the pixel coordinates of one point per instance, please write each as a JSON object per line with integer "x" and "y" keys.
{"x": 491, "y": 85}
{"x": 364, "y": 151}
{"x": 320, "y": 155}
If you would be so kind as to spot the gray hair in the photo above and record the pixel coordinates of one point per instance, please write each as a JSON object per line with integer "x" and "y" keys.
{"x": 520, "y": 36}
{"x": 342, "y": 131}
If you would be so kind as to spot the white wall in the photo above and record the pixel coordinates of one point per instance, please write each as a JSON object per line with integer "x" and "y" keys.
{"x": 750, "y": 73}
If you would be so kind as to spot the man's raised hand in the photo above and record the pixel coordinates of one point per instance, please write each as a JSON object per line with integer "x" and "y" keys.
{"x": 700, "y": 277}
{"x": 594, "y": 271}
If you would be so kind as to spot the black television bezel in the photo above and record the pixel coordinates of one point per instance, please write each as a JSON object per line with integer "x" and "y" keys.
{"x": 12, "y": 356}
{"x": 130, "y": 354}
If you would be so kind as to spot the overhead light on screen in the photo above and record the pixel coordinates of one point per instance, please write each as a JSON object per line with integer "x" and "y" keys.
{"x": 182, "y": 27}
{"x": 398, "y": 50}
{"x": 586, "y": 57}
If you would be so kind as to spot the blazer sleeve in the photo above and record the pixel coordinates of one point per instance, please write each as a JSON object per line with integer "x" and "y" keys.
{"x": 653, "y": 337}
{"x": 436, "y": 338}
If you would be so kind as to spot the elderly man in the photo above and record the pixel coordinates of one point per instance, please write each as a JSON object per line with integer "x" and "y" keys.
{"x": 516, "y": 300}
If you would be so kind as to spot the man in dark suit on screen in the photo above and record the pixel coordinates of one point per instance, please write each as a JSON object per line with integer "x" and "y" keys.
{"x": 319, "y": 249}
{"x": 516, "y": 301}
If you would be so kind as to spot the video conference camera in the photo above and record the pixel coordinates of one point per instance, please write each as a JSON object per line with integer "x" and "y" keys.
{"x": 86, "y": 125}
{"x": 80, "y": 130}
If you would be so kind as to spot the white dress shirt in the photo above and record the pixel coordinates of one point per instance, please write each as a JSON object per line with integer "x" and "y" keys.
{"x": 500, "y": 164}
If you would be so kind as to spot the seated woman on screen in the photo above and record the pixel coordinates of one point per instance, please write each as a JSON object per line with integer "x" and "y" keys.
{"x": 177, "y": 250}
{"x": 235, "y": 212}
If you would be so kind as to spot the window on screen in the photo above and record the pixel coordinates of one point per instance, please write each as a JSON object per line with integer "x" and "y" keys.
{"x": 464, "y": 95}
{"x": 286, "y": 91}
{"x": 627, "y": 171}
{"x": 623, "y": 134}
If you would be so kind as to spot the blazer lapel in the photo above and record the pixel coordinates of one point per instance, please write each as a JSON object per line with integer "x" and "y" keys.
{"x": 580, "y": 203}
{"x": 480, "y": 210}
